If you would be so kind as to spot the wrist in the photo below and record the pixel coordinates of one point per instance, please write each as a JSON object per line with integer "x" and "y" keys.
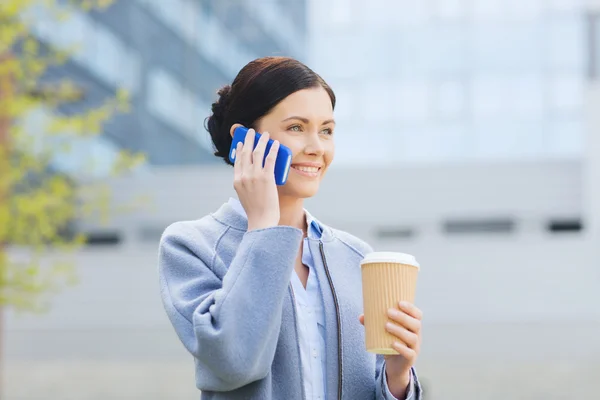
{"x": 261, "y": 224}
{"x": 398, "y": 382}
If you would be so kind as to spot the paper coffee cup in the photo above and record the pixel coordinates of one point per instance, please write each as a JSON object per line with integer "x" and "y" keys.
{"x": 387, "y": 278}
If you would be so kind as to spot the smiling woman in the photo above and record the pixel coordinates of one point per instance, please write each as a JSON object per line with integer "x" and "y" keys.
{"x": 264, "y": 296}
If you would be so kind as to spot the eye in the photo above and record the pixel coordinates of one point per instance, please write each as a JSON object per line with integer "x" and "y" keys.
{"x": 327, "y": 131}
{"x": 295, "y": 128}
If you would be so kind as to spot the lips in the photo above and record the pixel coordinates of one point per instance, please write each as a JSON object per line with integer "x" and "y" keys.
{"x": 306, "y": 169}
{"x": 310, "y": 170}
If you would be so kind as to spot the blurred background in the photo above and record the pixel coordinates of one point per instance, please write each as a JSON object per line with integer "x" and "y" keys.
{"x": 468, "y": 135}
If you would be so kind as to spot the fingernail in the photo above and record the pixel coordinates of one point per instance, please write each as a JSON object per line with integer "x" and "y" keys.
{"x": 403, "y": 304}
{"x": 388, "y": 326}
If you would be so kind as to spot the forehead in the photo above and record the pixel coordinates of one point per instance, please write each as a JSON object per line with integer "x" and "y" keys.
{"x": 313, "y": 103}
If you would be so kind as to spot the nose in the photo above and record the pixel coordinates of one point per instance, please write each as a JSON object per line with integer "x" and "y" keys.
{"x": 314, "y": 145}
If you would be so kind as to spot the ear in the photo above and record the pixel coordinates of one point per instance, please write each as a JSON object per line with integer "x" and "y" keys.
{"x": 233, "y": 128}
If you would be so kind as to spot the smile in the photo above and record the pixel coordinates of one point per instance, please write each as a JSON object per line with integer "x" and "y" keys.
{"x": 307, "y": 171}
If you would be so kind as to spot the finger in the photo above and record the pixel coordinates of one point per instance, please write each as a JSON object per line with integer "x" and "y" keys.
{"x": 247, "y": 148}
{"x": 404, "y": 320}
{"x": 407, "y": 337}
{"x": 361, "y": 319}
{"x": 237, "y": 164}
{"x": 406, "y": 352}
{"x": 272, "y": 157}
{"x": 258, "y": 155}
{"x": 411, "y": 310}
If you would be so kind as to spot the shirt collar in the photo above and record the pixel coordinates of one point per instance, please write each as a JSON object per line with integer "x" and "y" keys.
{"x": 314, "y": 232}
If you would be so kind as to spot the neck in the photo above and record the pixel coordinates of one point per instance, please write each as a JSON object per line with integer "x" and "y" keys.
{"x": 292, "y": 212}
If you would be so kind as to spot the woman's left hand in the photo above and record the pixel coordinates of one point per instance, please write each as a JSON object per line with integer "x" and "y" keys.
{"x": 405, "y": 324}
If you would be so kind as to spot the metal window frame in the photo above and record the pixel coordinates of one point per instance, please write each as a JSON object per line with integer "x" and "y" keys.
{"x": 593, "y": 45}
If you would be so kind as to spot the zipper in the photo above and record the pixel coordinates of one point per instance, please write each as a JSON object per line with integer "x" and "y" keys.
{"x": 339, "y": 320}
{"x": 298, "y": 338}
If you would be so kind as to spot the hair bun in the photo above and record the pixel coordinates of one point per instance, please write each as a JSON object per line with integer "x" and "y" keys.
{"x": 220, "y": 106}
{"x": 215, "y": 123}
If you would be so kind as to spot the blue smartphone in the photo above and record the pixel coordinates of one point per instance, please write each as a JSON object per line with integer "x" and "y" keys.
{"x": 284, "y": 155}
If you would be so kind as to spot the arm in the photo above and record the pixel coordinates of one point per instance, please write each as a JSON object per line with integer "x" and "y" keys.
{"x": 382, "y": 390}
{"x": 231, "y": 326}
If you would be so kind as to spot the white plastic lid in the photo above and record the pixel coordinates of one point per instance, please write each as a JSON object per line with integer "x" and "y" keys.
{"x": 390, "y": 257}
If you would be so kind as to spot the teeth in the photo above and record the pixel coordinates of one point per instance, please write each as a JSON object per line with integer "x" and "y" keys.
{"x": 308, "y": 169}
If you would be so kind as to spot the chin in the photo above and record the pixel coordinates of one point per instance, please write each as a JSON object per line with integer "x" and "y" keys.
{"x": 299, "y": 191}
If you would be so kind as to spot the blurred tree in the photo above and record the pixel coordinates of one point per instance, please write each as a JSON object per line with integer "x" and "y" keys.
{"x": 38, "y": 202}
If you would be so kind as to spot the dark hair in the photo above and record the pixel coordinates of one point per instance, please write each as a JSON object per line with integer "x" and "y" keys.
{"x": 257, "y": 88}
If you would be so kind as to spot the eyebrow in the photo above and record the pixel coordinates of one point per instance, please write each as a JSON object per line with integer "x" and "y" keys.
{"x": 306, "y": 121}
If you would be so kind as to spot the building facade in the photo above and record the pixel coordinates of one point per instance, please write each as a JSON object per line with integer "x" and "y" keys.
{"x": 171, "y": 56}
{"x": 454, "y": 80}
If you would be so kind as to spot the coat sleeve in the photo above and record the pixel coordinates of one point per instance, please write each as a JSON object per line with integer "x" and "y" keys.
{"x": 230, "y": 326}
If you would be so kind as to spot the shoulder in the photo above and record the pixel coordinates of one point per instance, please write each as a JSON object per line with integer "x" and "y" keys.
{"x": 355, "y": 244}
{"x": 198, "y": 236}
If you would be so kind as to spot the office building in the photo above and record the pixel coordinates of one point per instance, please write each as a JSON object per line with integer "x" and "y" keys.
{"x": 454, "y": 80}
{"x": 171, "y": 56}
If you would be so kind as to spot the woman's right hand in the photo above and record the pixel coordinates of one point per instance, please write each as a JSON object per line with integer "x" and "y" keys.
{"x": 255, "y": 184}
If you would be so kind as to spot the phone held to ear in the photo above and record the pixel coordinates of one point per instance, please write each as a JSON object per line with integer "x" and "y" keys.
{"x": 284, "y": 155}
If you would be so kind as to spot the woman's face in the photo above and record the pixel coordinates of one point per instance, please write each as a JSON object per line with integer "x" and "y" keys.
{"x": 303, "y": 121}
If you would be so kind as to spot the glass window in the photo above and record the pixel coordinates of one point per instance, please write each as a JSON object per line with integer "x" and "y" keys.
{"x": 162, "y": 95}
{"x": 564, "y": 47}
{"x": 419, "y": 145}
{"x": 78, "y": 156}
{"x": 488, "y": 96}
{"x": 565, "y": 137}
{"x": 275, "y": 20}
{"x": 504, "y": 47}
{"x": 512, "y": 97}
{"x": 130, "y": 73}
{"x": 436, "y": 143}
{"x": 488, "y": 10}
{"x": 170, "y": 12}
{"x": 452, "y": 141}
{"x": 448, "y": 54}
{"x": 341, "y": 12}
{"x": 506, "y": 138}
{"x": 365, "y": 144}
{"x": 86, "y": 28}
{"x": 593, "y": 58}
{"x": 526, "y": 96}
{"x": 410, "y": 12}
{"x": 109, "y": 54}
{"x": 529, "y": 10}
{"x": 565, "y": 6}
{"x": 210, "y": 38}
{"x": 451, "y": 99}
{"x": 378, "y": 101}
{"x": 93, "y": 157}
{"x": 175, "y": 105}
{"x": 346, "y": 95}
{"x": 412, "y": 101}
{"x": 450, "y": 10}
{"x": 189, "y": 23}
{"x": 72, "y": 30}
{"x": 336, "y": 54}
{"x": 566, "y": 93}
{"x": 415, "y": 48}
